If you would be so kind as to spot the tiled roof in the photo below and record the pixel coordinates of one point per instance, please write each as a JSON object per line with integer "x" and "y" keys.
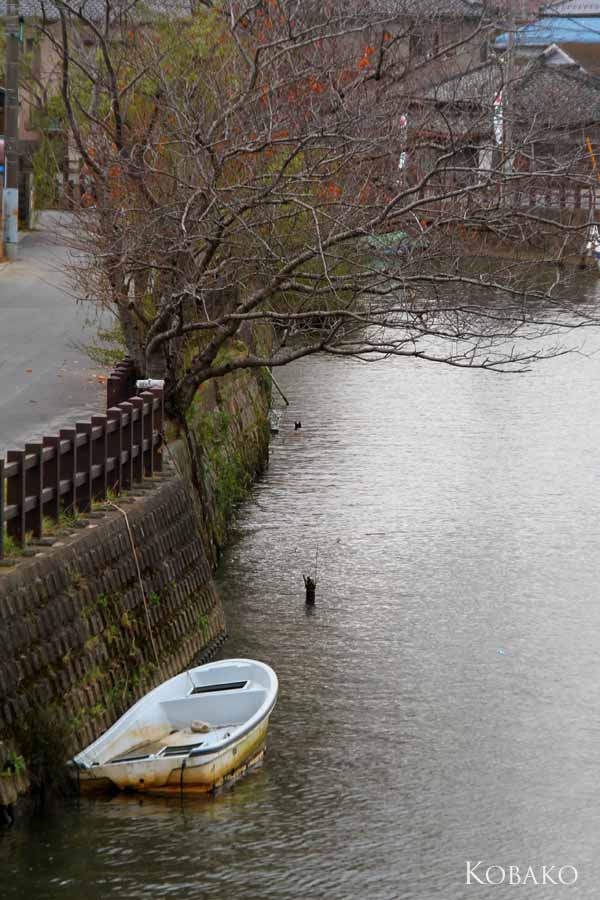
{"x": 557, "y": 95}
{"x": 572, "y": 8}
{"x": 429, "y": 8}
{"x": 414, "y": 8}
{"x": 479, "y": 86}
{"x": 400, "y": 7}
{"x": 95, "y": 8}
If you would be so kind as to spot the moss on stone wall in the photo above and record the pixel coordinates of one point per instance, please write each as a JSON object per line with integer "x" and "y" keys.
{"x": 229, "y": 421}
{"x": 79, "y": 637}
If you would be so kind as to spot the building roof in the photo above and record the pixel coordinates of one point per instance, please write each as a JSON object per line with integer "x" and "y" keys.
{"x": 555, "y": 30}
{"x": 417, "y": 9}
{"x": 421, "y": 8}
{"x": 572, "y": 8}
{"x": 96, "y": 8}
{"x": 559, "y": 96}
{"x": 429, "y": 8}
{"x": 477, "y": 87}
{"x": 523, "y": 9}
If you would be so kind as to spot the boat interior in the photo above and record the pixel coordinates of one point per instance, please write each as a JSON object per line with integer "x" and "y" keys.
{"x": 206, "y": 717}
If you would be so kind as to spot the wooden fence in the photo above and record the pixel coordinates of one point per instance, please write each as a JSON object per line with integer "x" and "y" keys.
{"x": 570, "y": 199}
{"x": 121, "y": 383}
{"x": 66, "y": 473}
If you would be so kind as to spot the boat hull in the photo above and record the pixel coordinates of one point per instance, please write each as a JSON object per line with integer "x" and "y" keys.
{"x": 200, "y": 774}
{"x": 194, "y": 732}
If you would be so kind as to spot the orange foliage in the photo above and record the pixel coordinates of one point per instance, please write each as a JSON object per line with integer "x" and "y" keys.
{"x": 331, "y": 191}
{"x": 365, "y": 60}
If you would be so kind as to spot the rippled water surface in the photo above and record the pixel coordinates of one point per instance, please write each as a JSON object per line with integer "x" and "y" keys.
{"x": 440, "y": 704}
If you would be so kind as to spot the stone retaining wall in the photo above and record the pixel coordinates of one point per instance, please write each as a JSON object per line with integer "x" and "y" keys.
{"x": 77, "y": 635}
{"x": 81, "y": 639}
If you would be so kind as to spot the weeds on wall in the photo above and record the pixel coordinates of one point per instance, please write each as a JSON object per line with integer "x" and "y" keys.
{"x": 43, "y": 736}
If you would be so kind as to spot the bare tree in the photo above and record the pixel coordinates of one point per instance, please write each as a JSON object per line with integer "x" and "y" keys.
{"x": 244, "y": 164}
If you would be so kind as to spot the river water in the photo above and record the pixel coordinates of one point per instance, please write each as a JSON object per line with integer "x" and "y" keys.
{"x": 441, "y": 702}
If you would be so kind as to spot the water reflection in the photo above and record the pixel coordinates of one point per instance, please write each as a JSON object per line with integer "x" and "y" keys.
{"x": 438, "y": 704}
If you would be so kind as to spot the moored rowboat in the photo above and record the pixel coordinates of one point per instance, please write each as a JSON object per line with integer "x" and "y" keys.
{"x": 194, "y": 732}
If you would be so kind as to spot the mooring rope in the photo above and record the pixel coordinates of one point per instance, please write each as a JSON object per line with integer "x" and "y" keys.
{"x": 140, "y": 580}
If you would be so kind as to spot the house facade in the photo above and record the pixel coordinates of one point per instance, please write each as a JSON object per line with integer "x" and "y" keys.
{"x": 531, "y": 142}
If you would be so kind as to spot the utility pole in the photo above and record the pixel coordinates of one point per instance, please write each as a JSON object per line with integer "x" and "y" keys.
{"x": 10, "y": 204}
{"x": 509, "y": 74}
{"x": 503, "y": 107}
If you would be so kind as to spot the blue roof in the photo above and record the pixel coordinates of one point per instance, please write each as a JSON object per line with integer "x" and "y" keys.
{"x": 556, "y": 30}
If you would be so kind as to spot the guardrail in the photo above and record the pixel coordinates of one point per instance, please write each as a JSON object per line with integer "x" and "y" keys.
{"x": 68, "y": 472}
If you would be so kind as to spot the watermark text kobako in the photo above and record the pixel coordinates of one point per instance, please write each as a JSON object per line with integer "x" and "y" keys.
{"x": 481, "y": 873}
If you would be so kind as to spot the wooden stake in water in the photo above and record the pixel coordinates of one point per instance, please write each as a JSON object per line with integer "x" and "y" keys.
{"x": 310, "y": 584}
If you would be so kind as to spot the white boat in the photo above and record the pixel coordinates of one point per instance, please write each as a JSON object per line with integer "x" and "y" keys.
{"x": 194, "y": 732}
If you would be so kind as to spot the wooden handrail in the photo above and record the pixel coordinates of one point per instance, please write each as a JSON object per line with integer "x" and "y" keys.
{"x": 68, "y": 472}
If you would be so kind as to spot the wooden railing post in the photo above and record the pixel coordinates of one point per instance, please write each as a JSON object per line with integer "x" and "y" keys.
{"x": 115, "y": 448}
{"x": 34, "y": 487}
{"x": 120, "y": 384}
{"x": 148, "y": 433}
{"x": 84, "y": 467}
{"x": 100, "y": 458}
{"x": 68, "y": 469}
{"x": 113, "y": 387}
{"x": 52, "y": 477}
{"x": 138, "y": 438}
{"x": 127, "y": 443}
{"x": 15, "y": 495}
{"x": 159, "y": 426}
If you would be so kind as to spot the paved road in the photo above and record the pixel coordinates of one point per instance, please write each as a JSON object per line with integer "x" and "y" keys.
{"x": 47, "y": 381}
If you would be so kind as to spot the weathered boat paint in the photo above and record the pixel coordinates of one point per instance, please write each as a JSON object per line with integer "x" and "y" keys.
{"x": 200, "y": 775}
{"x": 153, "y": 748}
